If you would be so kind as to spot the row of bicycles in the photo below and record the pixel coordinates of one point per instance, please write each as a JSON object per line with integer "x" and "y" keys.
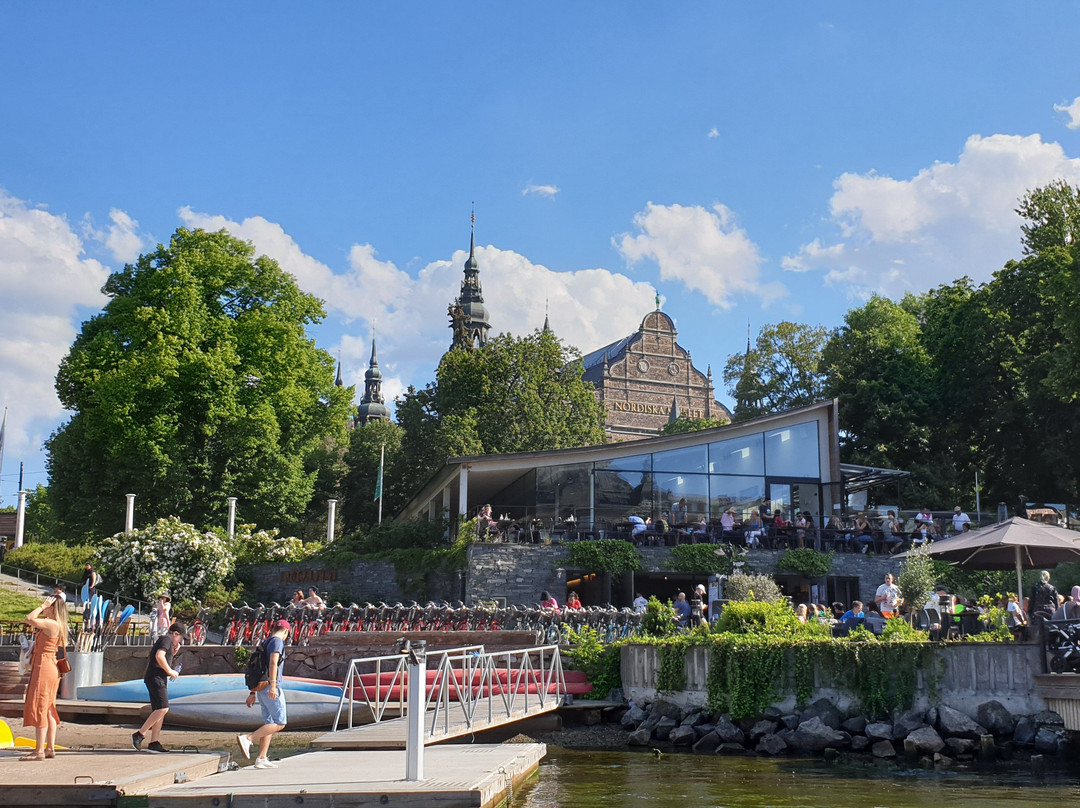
{"x": 249, "y": 625}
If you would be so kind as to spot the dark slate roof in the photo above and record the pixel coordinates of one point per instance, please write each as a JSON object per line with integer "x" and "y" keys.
{"x": 609, "y": 351}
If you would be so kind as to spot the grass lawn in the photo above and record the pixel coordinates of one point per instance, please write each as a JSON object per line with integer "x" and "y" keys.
{"x": 14, "y": 606}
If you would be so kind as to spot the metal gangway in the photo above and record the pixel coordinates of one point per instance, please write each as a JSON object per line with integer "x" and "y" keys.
{"x": 468, "y": 689}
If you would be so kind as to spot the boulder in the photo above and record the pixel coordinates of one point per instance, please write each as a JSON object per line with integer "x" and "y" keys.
{"x": 943, "y": 761}
{"x": 730, "y": 749}
{"x": 855, "y": 726}
{"x": 1048, "y": 718}
{"x": 664, "y": 727}
{"x": 693, "y": 719}
{"x": 879, "y": 731}
{"x": 771, "y": 714}
{"x": 926, "y": 740}
{"x": 639, "y": 737}
{"x": 707, "y": 743}
{"x": 760, "y": 729}
{"x": 667, "y": 709}
{"x": 728, "y": 732}
{"x": 633, "y": 717}
{"x": 954, "y": 724}
{"x": 771, "y": 745}
{"x": 816, "y": 736}
{"x": 1046, "y": 740}
{"x": 883, "y": 749}
{"x": 860, "y": 743}
{"x": 961, "y": 746}
{"x": 823, "y": 709}
{"x": 932, "y": 717}
{"x": 995, "y": 717}
{"x": 1024, "y": 731}
{"x": 785, "y": 735}
{"x": 682, "y": 735}
{"x": 790, "y": 721}
{"x": 908, "y": 722}
{"x": 701, "y": 730}
{"x": 650, "y": 722}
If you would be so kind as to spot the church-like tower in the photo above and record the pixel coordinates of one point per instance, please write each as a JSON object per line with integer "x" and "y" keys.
{"x": 372, "y": 407}
{"x": 468, "y": 316}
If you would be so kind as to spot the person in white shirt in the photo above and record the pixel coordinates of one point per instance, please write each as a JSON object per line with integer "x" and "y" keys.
{"x": 313, "y": 600}
{"x": 640, "y": 603}
{"x": 888, "y": 597}
{"x": 959, "y": 519}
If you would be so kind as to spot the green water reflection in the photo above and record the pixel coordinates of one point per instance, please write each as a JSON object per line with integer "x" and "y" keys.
{"x": 587, "y": 779}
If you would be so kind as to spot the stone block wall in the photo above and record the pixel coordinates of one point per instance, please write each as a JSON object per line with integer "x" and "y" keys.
{"x": 516, "y": 572}
{"x": 357, "y": 581}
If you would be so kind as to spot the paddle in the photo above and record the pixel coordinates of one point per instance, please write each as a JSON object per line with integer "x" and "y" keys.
{"x": 120, "y": 626}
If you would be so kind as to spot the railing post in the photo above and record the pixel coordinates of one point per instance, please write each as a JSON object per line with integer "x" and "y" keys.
{"x": 414, "y": 741}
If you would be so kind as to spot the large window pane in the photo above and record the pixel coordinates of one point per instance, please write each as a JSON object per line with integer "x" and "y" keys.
{"x": 562, "y": 491}
{"x": 792, "y": 451}
{"x": 745, "y": 455}
{"x": 632, "y": 463}
{"x": 694, "y": 488}
{"x": 689, "y": 460}
{"x": 744, "y": 494}
{"x": 620, "y": 494}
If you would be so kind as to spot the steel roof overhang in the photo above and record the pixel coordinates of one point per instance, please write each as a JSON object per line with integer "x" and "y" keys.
{"x": 861, "y": 478}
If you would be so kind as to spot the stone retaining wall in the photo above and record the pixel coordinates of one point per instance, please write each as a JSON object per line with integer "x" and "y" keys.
{"x": 357, "y": 581}
{"x": 967, "y": 674}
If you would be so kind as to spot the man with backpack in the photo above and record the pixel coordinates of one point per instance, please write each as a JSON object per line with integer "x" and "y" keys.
{"x": 263, "y": 678}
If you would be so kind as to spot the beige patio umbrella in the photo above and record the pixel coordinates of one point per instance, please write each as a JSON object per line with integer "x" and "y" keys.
{"x": 1016, "y": 542}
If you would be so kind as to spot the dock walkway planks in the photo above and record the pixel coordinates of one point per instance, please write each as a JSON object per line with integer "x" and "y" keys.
{"x": 477, "y": 776}
{"x": 391, "y": 734}
{"x": 97, "y": 778}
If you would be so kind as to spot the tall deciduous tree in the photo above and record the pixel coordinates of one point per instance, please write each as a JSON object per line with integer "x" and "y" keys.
{"x": 359, "y": 504}
{"x": 781, "y": 371}
{"x": 513, "y": 394}
{"x": 197, "y": 382}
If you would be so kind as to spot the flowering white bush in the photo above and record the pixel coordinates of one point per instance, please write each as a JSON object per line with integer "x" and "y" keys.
{"x": 252, "y": 546}
{"x": 169, "y": 556}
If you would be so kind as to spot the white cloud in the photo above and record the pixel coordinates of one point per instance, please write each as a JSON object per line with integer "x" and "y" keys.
{"x": 714, "y": 132}
{"x": 1072, "y": 110}
{"x": 588, "y": 307}
{"x": 949, "y": 220}
{"x": 701, "y": 248}
{"x": 122, "y": 238}
{"x": 546, "y": 191}
{"x": 44, "y": 280}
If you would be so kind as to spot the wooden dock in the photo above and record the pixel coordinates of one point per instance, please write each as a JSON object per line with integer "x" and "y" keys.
{"x": 113, "y": 712}
{"x": 97, "y": 778}
{"x": 479, "y": 776}
{"x": 449, "y": 724}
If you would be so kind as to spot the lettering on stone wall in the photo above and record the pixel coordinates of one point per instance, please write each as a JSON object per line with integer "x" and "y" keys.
{"x": 305, "y": 576}
{"x": 652, "y": 409}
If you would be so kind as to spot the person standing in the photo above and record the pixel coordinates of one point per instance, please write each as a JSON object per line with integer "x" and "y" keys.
{"x": 271, "y": 698}
{"x": 887, "y": 597}
{"x": 50, "y": 619}
{"x": 90, "y": 580}
{"x": 159, "y": 672}
{"x": 160, "y": 617}
{"x": 640, "y": 603}
{"x": 679, "y": 513}
{"x": 959, "y": 519}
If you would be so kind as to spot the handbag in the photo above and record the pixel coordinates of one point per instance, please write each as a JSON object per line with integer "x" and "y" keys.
{"x": 62, "y": 663}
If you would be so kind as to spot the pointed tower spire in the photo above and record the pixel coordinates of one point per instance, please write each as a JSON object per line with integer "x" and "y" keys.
{"x": 372, "y": 407}
{"x": 676, "y": 412}
{"x": 547, "y": 324}
{"x": 338, "y": 382}
{"x": 468, "y": 316}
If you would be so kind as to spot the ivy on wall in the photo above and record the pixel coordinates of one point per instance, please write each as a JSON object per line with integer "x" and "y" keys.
{"x": 705, "y": 559}
{"x": 806, "y": 561}
{"x": 614, "y": 556}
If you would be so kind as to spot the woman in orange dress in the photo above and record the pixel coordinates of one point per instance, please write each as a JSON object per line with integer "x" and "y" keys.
{"x": 39, "y": 710}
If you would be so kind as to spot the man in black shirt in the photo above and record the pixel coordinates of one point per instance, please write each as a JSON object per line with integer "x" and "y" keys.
{"x": 159, "y": 671}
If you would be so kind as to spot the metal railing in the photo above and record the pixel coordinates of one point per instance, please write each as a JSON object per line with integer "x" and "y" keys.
{"x": 484, "y": 686}
{"x": 72, "y": 587}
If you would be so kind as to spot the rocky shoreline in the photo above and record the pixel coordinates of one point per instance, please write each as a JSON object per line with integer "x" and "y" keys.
{"x": 940, "y": 737}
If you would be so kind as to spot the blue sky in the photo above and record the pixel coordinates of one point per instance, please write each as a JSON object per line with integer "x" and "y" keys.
{"x": 750, "y": 162}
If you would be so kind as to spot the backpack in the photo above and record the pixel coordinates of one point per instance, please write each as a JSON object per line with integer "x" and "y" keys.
{"x": 255, "y": 674}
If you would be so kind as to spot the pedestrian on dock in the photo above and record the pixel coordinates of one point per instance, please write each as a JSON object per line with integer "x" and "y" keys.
{"x": 39, "y": 708}
{"x": 271, "y": 698}
{"x": 159, "y": 672}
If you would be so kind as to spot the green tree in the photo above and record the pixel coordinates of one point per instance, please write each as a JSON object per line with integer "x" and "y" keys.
{"x": 512, "y": 395}
{"x": 780, "y": 372}
{"x": 196, "y": 382}
{"x": 685, "y": 423}
{"x": 358, "y": 503}
{"x": 1052, "y": 215}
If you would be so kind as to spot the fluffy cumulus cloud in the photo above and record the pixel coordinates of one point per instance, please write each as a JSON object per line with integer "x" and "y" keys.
{"x": 546, "y": 191}
{"x": 122, "y": 237}
{"x": 45, "y": 282}
{"x": 588, "y": 308}
{"x": 1072, "y": 110}
{"x": 949, "y": 220}
{"x": 702, "y": 248}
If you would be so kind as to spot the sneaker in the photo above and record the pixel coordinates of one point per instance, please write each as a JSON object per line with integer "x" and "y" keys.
{"x": 264, "y": 763}
{"x": 245, "y": 745}
{"x": 137, "y": 741}
{"x": 157, "y": 747}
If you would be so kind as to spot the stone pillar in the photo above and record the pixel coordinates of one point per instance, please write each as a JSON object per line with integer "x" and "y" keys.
{"x": 20, "y": 520}
{"x": 129, "y": 517}
{"x": 232, "y": 517}
{"x": 331, "y": 518}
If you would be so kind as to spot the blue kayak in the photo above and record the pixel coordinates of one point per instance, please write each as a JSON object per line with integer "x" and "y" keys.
{"x": 133, "y": 690}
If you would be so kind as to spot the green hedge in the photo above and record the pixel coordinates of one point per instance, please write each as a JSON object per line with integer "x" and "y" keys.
{"x": 62, "y": 561}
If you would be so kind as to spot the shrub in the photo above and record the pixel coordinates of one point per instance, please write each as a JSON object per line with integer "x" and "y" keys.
{"x": 168, "y": 556}
{"x": 605, "y": 555}
{"x": 599, "y": 662}
{"x": 806, "y": 561}
{"x": 250, "y": 546}
{"x": 61, "y": 561}
{"x": 759, "y": 617}
{"x": 704, "y": 559}
{"x": 659, "y": 619}
{"x": 916, "y": 580}
{"x": 752, "y": 587}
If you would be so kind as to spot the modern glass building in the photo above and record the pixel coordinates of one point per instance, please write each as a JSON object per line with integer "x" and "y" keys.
{"x": 789, "y": 458}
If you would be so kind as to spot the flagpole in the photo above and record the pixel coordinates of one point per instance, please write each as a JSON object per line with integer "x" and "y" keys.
{"x": 382, "y": 456}
{"x": 3, "y": 428}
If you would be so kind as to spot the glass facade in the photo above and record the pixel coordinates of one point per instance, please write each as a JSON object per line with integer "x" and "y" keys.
{"x": 740, "y": 473}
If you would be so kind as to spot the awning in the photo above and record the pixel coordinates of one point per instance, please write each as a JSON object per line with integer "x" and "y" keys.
{"x": 861, "y": 478}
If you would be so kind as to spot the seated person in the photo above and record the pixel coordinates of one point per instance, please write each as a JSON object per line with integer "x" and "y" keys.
{"x": 802, "y": 613}
{"x": 313, "y": 600}
{"x": 682, "y": 610}
{"x": 864, "y": 534}
{"x": 837, "y": 610}
{"x": 920, "y": 535}
{"x": 890, "y": 531}
{"x": 679, "y": 512}
{"x": 701, "y": 530}
{"x": 548, "y": 603}
{"x": 754, "y": 530}
{"x": 779, "y": 524}
{"x": 573, "y": 602}
{"x": 1015, "y": 610}
{"x": 855, "y": 612}
{"x": 486, "y": 527}
{"x": 924, "y": 516}
{"x": 637, "y": 526}
{"x": 727, "y": 523}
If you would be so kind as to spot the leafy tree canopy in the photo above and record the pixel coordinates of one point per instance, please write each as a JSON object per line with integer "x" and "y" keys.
{"x": 780, "y": 372}
{"x": 195, "y": 383}
{"x": 685, "y": 423}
